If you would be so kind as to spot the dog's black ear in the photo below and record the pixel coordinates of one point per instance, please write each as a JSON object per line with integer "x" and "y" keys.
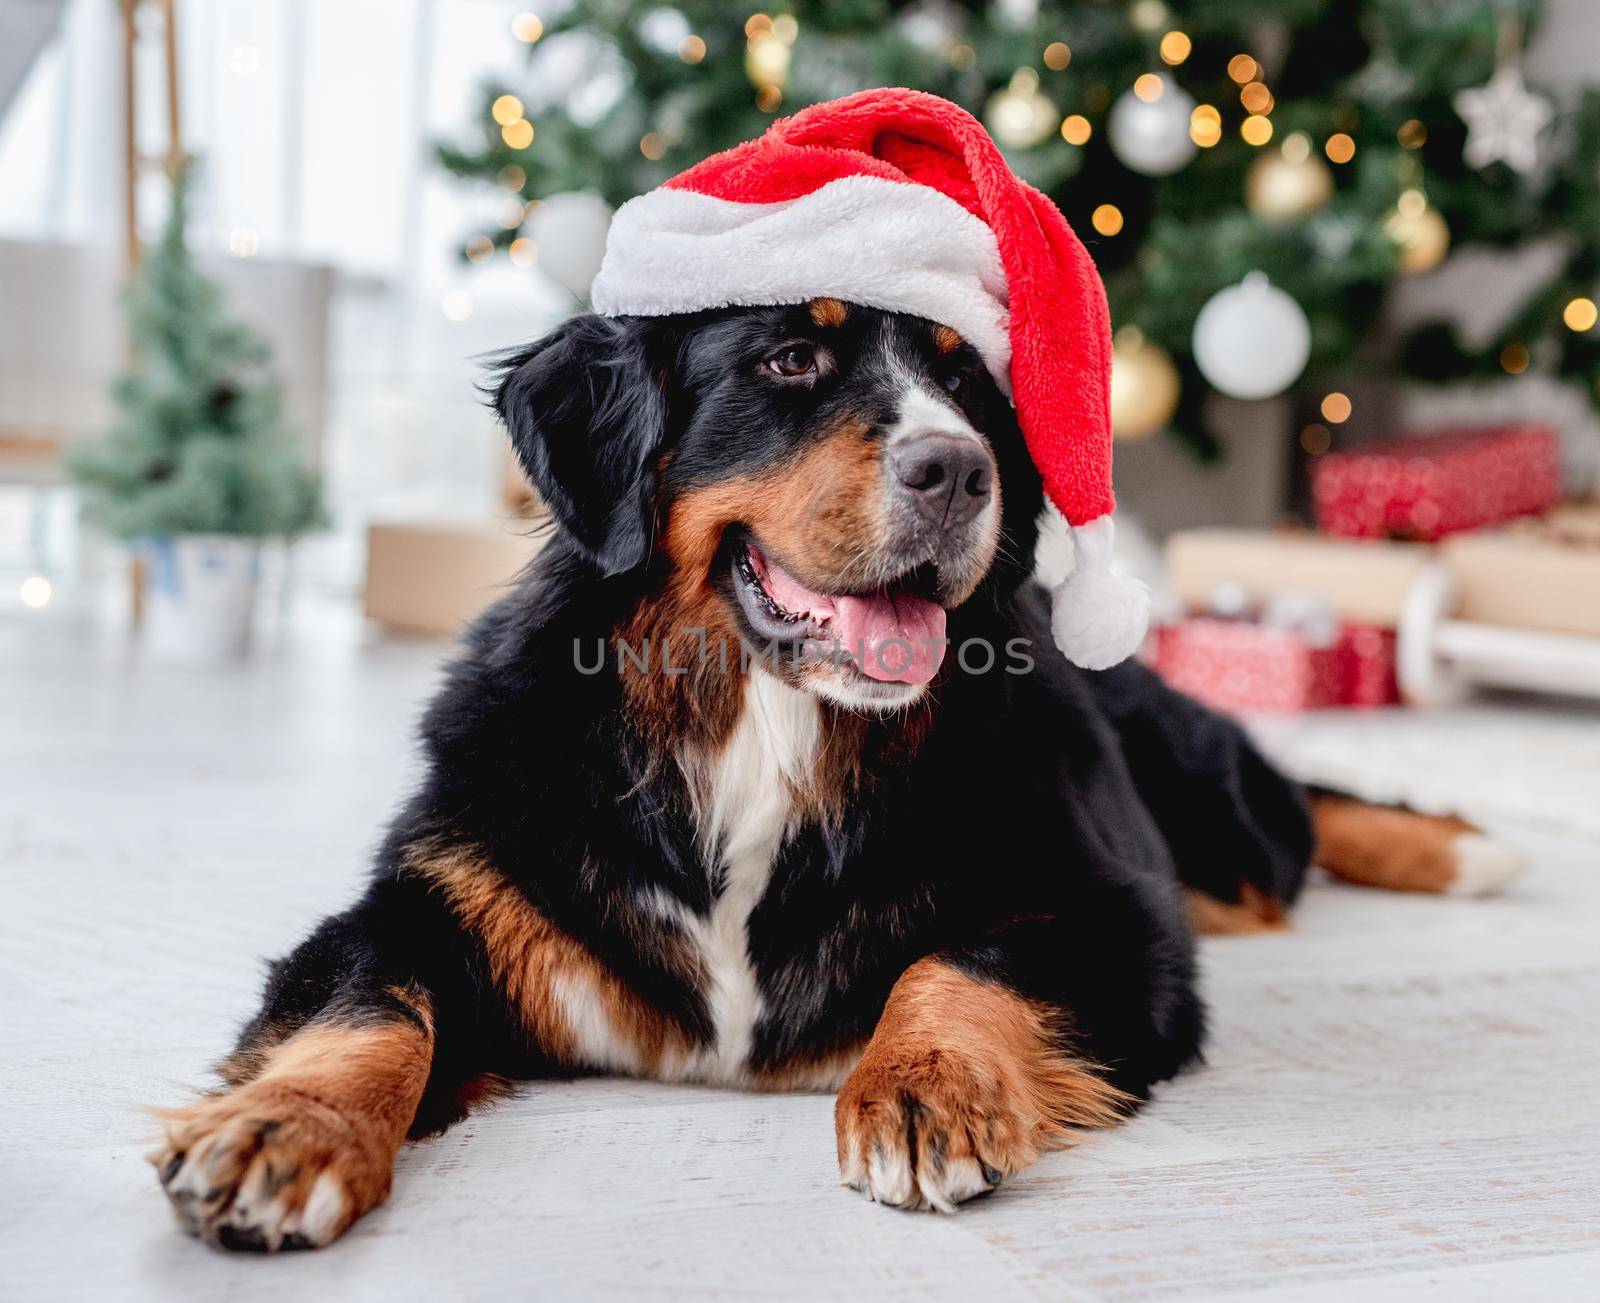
{"x": 588, "y": 420}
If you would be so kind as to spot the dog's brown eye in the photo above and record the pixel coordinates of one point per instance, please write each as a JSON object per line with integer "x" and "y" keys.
{"x": 793, "y": 361}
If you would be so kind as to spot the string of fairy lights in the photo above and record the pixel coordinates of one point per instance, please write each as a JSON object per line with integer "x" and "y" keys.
{"x": 1147, "y": 127}
{"x": 1251, "y": 339}
{"x": 1155, "y": 128}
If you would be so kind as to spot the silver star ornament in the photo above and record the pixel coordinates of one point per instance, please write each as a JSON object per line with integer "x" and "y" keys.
{"x": 1504, "y": 119}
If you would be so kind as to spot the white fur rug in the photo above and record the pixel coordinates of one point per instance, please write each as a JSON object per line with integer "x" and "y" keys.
{"x": 1529, "y": 762}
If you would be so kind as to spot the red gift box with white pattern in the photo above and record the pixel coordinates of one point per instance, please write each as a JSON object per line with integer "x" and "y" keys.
{"x": 1366, "y": 666}
{"x": 1426, "y": 486}
{"x": 1234, "y": 665}
{"x": 1237, "y": 665}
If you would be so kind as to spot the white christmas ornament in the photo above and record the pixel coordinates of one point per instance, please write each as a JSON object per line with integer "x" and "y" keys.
{"x": 1251, "y": 340}
{"x": 1151, "y": 136}
{"x": 570, "y": 230}
{"x": 1504, "y": 119}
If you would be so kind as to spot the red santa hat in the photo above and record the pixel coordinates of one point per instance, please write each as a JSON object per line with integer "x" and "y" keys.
{"x": 899, "y": 200}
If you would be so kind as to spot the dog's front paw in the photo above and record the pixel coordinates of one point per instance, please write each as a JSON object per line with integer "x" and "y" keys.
{"x": 930, "y": 1129}
{"x": 269, "y": 1166}
{"x": 963, "y": 1083}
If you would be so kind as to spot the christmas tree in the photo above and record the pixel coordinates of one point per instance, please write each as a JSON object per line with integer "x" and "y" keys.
{"x": 1323, "y": 149}
{"x": 200, "y": 445}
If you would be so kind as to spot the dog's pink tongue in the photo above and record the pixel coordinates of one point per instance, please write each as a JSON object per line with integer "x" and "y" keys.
{"x": 896, "y": 639}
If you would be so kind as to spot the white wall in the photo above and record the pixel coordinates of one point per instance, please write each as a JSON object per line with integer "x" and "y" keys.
{"x": 315, "y": 120}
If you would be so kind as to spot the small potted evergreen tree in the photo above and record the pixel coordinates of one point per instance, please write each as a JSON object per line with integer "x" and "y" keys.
{"x": 199, "y": 468}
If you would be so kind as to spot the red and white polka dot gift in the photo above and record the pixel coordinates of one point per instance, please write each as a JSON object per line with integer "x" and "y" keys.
{"x": 1426, "y": 486}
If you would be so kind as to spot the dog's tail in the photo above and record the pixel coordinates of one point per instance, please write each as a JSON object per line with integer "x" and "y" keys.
{"x": 1375, "y": 846}
{"x": 1401, "y": 850}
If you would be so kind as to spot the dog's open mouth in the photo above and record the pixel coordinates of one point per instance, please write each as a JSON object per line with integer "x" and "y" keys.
{"x": 895, "y": 635}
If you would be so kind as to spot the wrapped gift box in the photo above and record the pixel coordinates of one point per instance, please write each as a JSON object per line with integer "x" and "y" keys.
{"x": 435, "y": 576}
{"x": 1236, "y": 665}
{"x": 1366, "y": 666}
{"x": 1359, "y": 581}
{"x": 1537, "y": 574}
{"x": 1427, "y": 486}
{"x": 1240, "y": 665}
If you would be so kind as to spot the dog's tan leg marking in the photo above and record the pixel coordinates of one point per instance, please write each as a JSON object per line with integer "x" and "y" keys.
{"x": 963, "y": 1083}
{"x": 297, "y": 1153}
{"x": 576, "y": 1010}
{"x": 1378, "y": 846}
{"x": 1254, "y": 911}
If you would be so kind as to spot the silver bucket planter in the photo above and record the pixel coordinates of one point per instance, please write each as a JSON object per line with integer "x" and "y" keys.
{"x": 200, "y": 596}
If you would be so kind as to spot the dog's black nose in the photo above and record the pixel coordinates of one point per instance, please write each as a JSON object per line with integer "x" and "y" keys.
{"x": 948, "y": 476}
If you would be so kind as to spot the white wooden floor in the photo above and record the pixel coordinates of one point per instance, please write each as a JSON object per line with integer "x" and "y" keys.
{"x": 1403, "y": 1095}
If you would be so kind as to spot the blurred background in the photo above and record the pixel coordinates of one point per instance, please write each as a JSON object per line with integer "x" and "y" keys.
{"x": 252, "y": 256}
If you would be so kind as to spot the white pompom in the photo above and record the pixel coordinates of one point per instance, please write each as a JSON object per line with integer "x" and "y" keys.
{"x": 1097, "y": 615}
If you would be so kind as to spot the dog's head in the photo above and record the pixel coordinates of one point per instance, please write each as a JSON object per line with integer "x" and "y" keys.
{"x": 824, "y": 482}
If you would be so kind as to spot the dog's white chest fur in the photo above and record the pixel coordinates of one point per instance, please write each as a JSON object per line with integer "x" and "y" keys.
{"x": 746, "y": 813}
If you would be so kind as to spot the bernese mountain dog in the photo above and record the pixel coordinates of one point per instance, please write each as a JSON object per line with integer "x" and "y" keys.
{"x": 768, "y": 774}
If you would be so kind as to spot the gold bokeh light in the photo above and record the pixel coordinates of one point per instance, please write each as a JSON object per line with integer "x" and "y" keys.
{"x": 1106, "y": 219}
{"x": 1256, "y": 129}
{"x": 1149, "y": 87}
{"x": 1256, "y": 98}
{"x": 1336, "y": 408}
{"x": 1205, "y": 126}
{"x": 1580, "y": 315}
{"x": 1340, "y": 148}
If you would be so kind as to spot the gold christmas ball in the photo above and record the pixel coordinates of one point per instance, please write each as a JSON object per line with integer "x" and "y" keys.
{"x": 766, "y": 61}
{"x": 1144, "y": 386}
{"x": 1416, "y": 226}
{"x": 1289, "y": 182}
{"x": 1021, "y": 115}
